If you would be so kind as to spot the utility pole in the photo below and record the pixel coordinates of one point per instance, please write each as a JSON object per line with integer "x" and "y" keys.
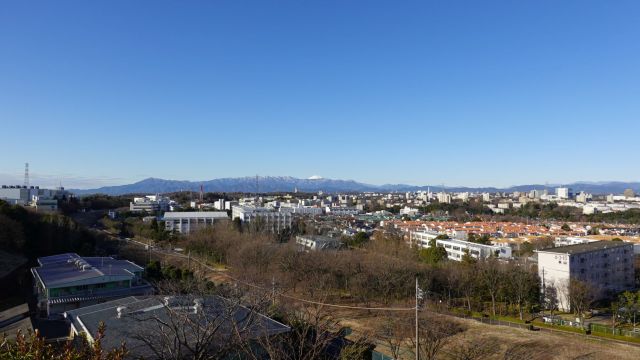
{"x": 273, "y": 290}
{"x": 417, "y": 338}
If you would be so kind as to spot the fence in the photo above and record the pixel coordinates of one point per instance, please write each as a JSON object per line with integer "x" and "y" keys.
{"x": 602, "y": 329}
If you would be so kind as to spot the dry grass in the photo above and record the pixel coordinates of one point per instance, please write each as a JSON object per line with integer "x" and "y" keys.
{"x": 502, "y": 342}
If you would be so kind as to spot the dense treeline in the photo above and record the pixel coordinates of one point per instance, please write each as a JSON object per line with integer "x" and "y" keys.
{"x": 94, "y": 202}
{"x": 382, "y": 271}
{"x": 32, "y": 234}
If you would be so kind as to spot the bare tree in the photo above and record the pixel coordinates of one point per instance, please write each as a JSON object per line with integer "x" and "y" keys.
{"x": 581, "y": 295}
{"x": 476, "y": 348}
{"x": 532, "y": 350}
{"x": 434, "y": 332}
{"x": 192, "y": 323}
{"x": 395, "y": 333}
{"x": 551, "y": 298}
{"x": 314, "y": 334}
{"x": 492, "y": 277}
{"x": 524, "y": 287}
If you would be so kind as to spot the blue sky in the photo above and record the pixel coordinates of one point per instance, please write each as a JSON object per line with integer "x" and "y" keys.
{"x": 426, "y": 92}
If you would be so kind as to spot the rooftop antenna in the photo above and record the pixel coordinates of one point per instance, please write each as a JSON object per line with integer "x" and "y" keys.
{"x": 26, "y": 174}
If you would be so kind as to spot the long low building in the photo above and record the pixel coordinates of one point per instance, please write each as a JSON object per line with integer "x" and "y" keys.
{"x": 188, "y": 221}
{"x": 456, "y": 249}
{"x": 68, "y": 281}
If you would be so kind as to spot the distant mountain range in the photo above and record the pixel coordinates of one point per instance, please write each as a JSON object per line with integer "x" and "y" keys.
{"x": 267, "y": 184}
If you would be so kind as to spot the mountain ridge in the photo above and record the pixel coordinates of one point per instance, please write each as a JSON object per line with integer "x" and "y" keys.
{"x": 268, "y": 184}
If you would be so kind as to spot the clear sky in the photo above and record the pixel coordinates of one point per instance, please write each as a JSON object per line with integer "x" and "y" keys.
{"x": 426, "y": 92}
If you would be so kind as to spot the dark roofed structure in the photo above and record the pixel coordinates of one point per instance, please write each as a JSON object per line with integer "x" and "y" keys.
{"x": 69, "y": 281}
{"x": 138, "y": 322}
{"x": 586, "y": 247}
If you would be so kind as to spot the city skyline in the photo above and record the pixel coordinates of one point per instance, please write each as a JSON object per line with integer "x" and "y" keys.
{"x": 491, "y": 94}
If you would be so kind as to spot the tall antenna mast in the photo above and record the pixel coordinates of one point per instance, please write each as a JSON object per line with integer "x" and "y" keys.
{"x": 26, "y": 174}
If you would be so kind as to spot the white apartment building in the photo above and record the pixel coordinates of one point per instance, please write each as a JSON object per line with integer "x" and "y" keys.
{"x": 409, "y": 211}
{"x": 564, "y": 193}
{"x": 150, "y": 204}
{"x": 457, "y": 248}
{"x": 186, "y": 222}
{"x": 273, "y": 219}
{"x": 444, "y": 198}
{"x": 606, "y": 265}
{"x": 422, "y": 238}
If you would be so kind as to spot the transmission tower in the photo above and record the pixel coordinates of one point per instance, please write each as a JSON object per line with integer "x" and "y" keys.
{"x": 26, "y": 174}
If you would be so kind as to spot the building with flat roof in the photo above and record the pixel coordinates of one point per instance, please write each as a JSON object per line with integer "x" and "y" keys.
{"x": 272, "y": 219}
{"x": 607, "y": 266}
{"x": 138, "y": 320}
{"x": 188, "y": 221}
{"x": 456, "y": 249}
{"x": 318, "y": 242}
{"x": 150, "y": 204}
{"x": 69, "y": 281}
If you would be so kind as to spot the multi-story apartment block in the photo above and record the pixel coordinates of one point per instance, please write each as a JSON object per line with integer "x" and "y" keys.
{"x": 186, "y": 222}
{"x": 607, "y": 266}
{"x": 422, "y": 238}
{"x": 457, "y": 248}
{"x": 273, "y": 220}
{"x": 68, "y": 281}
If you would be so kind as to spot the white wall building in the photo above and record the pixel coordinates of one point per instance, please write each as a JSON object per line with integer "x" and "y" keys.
{"x": 444, "y": 198}
{"x": 564, "y": 193}
{"x": 457, "y": 248}
{"x": 150, "y": 204}
{"x": 422, "y": 238}
{"x": 273, "y": 219}
{"x": 571, "y": 240}
{"x": 186, "y": 222}
{"x": 607, "y": 266}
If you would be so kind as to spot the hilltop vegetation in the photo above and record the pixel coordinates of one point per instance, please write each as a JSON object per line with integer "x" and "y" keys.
{"x": 32, "y": 234}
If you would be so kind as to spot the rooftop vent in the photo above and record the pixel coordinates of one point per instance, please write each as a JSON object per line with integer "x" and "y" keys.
{"x": 197, "y": 305}
{"x": 169, "y": 300}
{"x": 120, "y": 310}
